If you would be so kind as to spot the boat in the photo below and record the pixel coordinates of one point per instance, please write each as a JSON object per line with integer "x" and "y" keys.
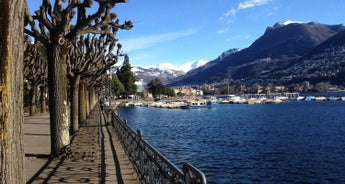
{"x": 333, "y": 98}
{"x": 320, "y": 98}
{"x": 310, "y": 98}
{"x": 255, "y": 101}
{"x": 224, "y": 101}
{"x": 195, "y": 104}
{"x": 273, "y": 100}
{"x": 299, "y": 98}
{"x": 237, "y": 100}
{"x": 145, "y": 104}
{"x": 132, "y": 104}
{"x": 212, "y": 101}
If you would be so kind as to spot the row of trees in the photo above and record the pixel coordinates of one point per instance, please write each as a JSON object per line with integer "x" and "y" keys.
{"x": 79, "y": 45}
{"x": 79, "y": 50}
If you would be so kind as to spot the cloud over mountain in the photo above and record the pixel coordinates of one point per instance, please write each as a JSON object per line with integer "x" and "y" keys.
{"x": 229, "y": 15}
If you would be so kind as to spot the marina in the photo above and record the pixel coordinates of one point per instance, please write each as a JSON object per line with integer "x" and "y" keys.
{"x": 212, "y": 101}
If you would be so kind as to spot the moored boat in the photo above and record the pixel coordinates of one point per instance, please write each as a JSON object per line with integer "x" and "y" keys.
{"x": 309, "y": 98}
{"x": 255, "y": 101}
{"x": 212, "y": 101}
{"x": 273, "y": 100}
{"x": 333, "y": 98}
{"x": 194, "y": 104}
{"x": 237, "y": 100}
{"x": 145, "y": 104}
{"x": 299, "y": 98}
{"x": 320, "y": 98}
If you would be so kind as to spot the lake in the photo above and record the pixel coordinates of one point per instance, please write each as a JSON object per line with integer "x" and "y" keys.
{"x": 294, "y": 142}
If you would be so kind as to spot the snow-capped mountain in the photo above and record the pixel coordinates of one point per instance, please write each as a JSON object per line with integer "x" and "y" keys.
{"x": 165, "y": 72}
{"x": 186, "y": 67}
{"x": 287, "y": 22}
{"x": 282, "y": 44}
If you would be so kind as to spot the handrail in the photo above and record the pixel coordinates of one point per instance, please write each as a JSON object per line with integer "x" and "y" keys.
{"x": 151, "y": 166}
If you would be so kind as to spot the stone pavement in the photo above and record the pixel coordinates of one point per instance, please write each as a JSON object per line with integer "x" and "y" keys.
{"x": 96, "y": 156}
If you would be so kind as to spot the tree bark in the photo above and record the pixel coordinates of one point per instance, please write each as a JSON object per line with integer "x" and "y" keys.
{"x": 86, "y": 98}
{"x": 82, "y": 103}
{"x": 58, "y": 104}
{"x": 33, "y": 95}
{"x": 43, "y": 99}
{"x": 92, "y": 98}
{"x": 75, "y": 82}
{"x": 11, "y": 92}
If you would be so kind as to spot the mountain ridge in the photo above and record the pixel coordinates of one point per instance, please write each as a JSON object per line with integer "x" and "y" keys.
{"x": 165, "y": 72}
{"x": 280, "y": 46}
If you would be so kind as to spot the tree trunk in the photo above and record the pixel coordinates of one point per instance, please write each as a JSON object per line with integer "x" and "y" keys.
{"x": 86, "y": 98}
{"x": 82, "y": 102}
{"x": 43, "y": 99}
{"x": 89, "y": 99}
{"x": 92, "y": 98}
{"x": 58, "y": 110}
{"x": 75, "y": 82}
{"x": 11, "y": 92}
{"x": 33, "y": 94}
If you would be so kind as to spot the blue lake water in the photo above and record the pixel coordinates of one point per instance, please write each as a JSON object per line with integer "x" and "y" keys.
{"x": 295, "y": 142}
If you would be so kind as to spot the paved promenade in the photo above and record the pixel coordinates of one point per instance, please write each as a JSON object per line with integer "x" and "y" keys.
{"x": 96, "y": 156}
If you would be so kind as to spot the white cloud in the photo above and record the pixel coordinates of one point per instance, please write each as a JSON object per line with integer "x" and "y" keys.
{"x": 230, "y": 13}
{"x": 229, "y": 16}
{"x": 251, "y": 4}
{"x": 222, "y": 31}
{"x": 145, "y": 42}
{"x": 240, "y": 37}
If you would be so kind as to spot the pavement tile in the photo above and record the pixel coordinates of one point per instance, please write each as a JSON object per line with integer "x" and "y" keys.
{"x": 87, "y": 164}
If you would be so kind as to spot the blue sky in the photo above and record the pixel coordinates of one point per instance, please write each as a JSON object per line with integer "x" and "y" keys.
{"x": 186, "y": 30}
{"x": 181, "y": 31}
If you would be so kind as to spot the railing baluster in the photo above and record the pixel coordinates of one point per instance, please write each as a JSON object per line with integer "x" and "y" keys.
{"x": 150, "y": 165}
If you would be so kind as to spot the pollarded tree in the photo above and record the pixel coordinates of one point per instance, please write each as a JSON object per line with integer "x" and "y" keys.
{"x": 35, "y": 73}
{"x": 95, "y": 78}
{"x": 82, "y": 61}
{"x": 99, "y": 68}
{"x": 11, "y": 92}
{"x": 57, "y": 26}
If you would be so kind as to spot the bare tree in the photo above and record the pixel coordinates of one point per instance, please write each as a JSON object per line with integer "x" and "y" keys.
{"x": 52, "y": 25}
{"x": 11, "y": 92}
{"x": 83, "y": 63}
{"x": 35, "y": 73}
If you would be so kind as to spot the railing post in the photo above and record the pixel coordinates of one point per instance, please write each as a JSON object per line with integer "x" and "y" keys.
{"x": 113, "y": 118}
{"x": 140, "y": 155}
{"x": 192, "y": 175}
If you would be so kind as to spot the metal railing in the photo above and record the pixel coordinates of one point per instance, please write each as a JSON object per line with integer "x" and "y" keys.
{"x": 150, "y": 165}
